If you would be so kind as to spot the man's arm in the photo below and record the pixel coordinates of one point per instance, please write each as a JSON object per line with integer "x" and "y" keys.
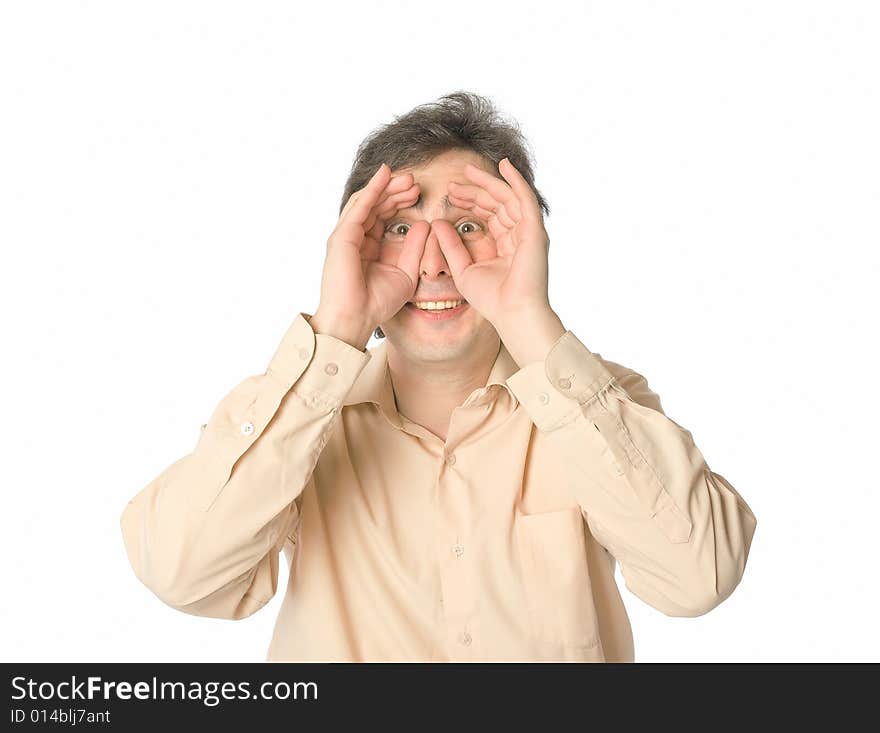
{"x": 680, "y": 532}
{"x": 205, "y": 535}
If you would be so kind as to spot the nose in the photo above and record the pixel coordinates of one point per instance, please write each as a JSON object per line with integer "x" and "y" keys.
{"x": 433, "y": 263}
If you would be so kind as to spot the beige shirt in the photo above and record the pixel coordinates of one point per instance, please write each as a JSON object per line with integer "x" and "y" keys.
{"x": 498, "y": 544}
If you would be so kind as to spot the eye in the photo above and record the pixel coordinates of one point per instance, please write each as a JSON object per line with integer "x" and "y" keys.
{"x": 474, "y": 227}
{"x": 394, "y": 229}
{"x": 465, "y": 228}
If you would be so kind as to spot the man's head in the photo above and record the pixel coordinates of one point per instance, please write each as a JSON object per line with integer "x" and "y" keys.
{"x": 434, "y": 142}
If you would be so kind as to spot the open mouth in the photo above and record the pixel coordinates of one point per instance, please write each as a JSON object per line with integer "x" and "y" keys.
{"x": 437, "y": 309}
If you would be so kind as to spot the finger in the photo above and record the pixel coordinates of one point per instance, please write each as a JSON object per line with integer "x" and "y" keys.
{"x": 397, "y": 184}
{"x": 485, "y": 204}
{"x": 453, "y": 249}
{"x": 392, "y": 200}
{"x": 498, "y": 188}
{"x": 413, "y": 249}
{"x": 365, "y": 201}
{"x": 522, "y": 189}
{"x": 352, "y": 200}
{"x": 392, "y": 205}
{"x": 488, "y": 216}
{"x": 497, "y": 230}
{"x": 372, "y": 241}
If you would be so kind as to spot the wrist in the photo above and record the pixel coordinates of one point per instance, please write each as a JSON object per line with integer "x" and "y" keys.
{"x": 349, "y": 330}
{"x": 529, "y": 334}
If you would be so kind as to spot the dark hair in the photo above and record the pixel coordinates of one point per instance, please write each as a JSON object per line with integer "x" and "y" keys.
{"x": 457, "y": 120}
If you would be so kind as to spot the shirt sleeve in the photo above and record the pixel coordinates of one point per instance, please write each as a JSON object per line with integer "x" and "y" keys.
{"x": 680, "y": 531}
{"x": 205, "y": 535}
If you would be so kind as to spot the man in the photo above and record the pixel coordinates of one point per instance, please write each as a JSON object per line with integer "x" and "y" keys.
{"x": 464, "y": 490}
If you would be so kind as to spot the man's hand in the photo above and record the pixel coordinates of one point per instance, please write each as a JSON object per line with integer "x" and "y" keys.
{"x": 357, "y": 291}
{"x": 509, "y": 290}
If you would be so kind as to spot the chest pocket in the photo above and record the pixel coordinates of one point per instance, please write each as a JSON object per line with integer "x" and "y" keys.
{"x": 556, "y": 579}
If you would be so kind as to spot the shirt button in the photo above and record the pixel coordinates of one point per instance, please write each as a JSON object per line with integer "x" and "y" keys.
{"x": 331, "y": 369}
{"x": 458, "y": 550}
{"x": 247, "y": 428}
{"x": 565, "y": 383}
{"x": 543, "y": 398}
{"x": 303, "y": 353}
{"x": 450, "y": 459}
{"x": 465, "y": 638}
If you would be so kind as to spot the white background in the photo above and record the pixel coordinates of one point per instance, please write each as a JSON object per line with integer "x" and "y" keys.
{"x": 169, "y": 174}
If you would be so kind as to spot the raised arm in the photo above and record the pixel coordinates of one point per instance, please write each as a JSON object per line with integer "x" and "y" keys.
{"x": 205, "y": 535}
{"x": 680, "y": 531}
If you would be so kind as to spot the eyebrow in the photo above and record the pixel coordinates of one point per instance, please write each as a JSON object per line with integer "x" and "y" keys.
{"x": 447, "y": 204}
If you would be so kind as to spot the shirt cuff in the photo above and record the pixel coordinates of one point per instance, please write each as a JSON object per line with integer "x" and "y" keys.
{"x": 552, "y": 391}
{"x": 320, "y": 368}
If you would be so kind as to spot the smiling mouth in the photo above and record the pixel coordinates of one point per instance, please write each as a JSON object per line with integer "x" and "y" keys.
{"x": 437, "y": 310}
{"x": 437, "y": 305}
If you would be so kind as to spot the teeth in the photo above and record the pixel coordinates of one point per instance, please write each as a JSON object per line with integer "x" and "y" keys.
{"x": 437, "y": 305}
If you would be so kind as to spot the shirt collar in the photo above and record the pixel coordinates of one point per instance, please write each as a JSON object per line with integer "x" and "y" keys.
{"x": 374, "y": 382}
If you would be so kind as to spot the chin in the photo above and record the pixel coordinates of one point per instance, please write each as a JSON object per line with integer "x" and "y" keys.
{"x": 429, "y": 349}
{"x": 439, "y": 347}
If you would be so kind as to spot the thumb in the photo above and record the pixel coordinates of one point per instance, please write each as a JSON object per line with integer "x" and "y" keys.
{"x": 413, "y": 249}
{"x": 453, "y": 249}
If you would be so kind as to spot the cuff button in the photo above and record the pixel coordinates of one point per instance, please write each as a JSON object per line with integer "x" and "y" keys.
{"x": 543, "y": 398}
{"x": 331, "y": 369}
{"x": 565, "y": 383}
{"x": 247, "y": 428}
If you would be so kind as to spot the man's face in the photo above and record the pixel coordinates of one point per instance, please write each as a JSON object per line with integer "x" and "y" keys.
{"x": 439, "y": 335}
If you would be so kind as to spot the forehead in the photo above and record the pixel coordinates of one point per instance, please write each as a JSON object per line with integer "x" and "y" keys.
{"x": 433, "y": 176}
